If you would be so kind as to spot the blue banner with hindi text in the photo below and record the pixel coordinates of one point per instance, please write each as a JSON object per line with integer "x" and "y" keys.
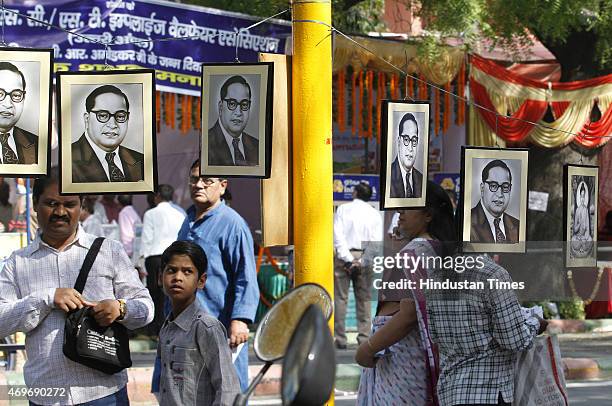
{"x": 128, "y": 26}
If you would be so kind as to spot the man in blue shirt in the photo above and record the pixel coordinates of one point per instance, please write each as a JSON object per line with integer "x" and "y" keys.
{"x": 231, "y": 293}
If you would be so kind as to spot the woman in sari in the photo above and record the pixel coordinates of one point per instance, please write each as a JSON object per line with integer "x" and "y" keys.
{"x": 399, "y": 357}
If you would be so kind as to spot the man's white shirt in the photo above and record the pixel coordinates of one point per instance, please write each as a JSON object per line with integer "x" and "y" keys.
{"x": 229, "y": 139}
{"x": 101, "y": 154}
{"x": 160, "y": 228}
{"x": 11, "y": 143}
{"x": 354, "y": 223}
{"x": 404, "y": 177}
{"x": 491, "y": 218}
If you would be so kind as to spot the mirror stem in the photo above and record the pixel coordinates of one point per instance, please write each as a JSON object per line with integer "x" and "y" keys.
{"x": 241, "y": 399}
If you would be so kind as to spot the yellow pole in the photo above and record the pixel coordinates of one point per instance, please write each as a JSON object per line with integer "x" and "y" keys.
{"x": 312, "y": 149}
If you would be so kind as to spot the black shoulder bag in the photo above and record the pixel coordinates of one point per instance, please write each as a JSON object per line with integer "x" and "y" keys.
{"x": 106, "y": 349}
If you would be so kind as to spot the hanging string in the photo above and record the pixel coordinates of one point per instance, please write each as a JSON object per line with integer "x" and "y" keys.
{"x": 106, "y": 65}
{"x": 238, "y": 34}
{"x": 436, "y": 112}
{"x": 495, "y": 135}
{"x": 433, "y": 86}
{"x": 3, "y": 43}
{"x": 407, "y": 94}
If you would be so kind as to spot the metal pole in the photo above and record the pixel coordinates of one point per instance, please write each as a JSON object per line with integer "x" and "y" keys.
{"x": 312, "y": 145}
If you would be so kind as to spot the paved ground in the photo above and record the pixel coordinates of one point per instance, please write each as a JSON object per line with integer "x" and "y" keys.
{"x": 597, "y": 392}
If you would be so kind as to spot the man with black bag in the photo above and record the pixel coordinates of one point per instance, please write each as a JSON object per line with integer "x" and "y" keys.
{"x": 37, "y": 291}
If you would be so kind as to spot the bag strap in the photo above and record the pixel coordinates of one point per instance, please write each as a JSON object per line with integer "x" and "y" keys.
{"x": 87, "y": 264}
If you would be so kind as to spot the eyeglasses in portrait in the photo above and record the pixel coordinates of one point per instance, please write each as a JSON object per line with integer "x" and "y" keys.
{"x": 237, "y": 119}
{"x": 580, "y": 194}
{"x": 25, "y": 111}
{"x": 494, "y": 196}
{"x": 404, "y": 153}
{"x": 107, "y": 131}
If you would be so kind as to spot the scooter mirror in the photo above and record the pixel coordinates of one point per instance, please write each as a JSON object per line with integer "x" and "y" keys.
{"x": 309, "y": 366}
{"x": 275, "y": 329}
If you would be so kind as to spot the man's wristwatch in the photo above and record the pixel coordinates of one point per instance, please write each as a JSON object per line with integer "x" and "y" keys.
{"x": 122, "y": 309}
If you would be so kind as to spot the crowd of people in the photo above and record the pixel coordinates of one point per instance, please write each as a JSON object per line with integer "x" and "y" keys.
{"x": 196, "y": 293}
{"x": 191, "y": 284}
{"x": 438, "y": 346}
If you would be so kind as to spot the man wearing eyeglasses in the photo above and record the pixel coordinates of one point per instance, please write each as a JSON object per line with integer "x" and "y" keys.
{"x": 490, "y": 222}
{"x": 231, "y": 293}
{"x": 406, "y": 180}
{"x": 98, "y": 156}
{"x": 228, "y": 144}
{"x": 18, "y": 145}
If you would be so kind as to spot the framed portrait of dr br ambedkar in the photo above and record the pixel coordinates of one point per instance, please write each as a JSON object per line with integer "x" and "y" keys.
{"x": 107, "y": 132}
{"x": 25, "y": 111}
{"x": 494, "y": 196}
{"x": 236, "y": 138}
{"x": 404, "y": 151}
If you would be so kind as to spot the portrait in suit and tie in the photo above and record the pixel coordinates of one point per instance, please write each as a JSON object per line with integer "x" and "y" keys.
{"x": 109, "y": 140}
{"x": 237, "y": 103}
{"x": 25, "y": 115}
{"x": 406, "y": 137}
{"x": 495, "y": 196}
{"x": 581, "y": 184}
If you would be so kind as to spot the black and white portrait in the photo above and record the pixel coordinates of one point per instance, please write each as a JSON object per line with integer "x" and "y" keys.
{"x": 107, "y": 131}
{"x": 236, "y": 119}
{"x": 25, "y": 111}
{"x": 495, "y": 199}
{"x": 580, "y": 193}
{"x": 405, "y": 140}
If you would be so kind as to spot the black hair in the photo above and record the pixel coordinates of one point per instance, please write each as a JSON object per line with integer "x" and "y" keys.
{"x": 233, "y": 80}
{"x": 191, "y": 249}
{"x": 42, "y": 183}
{"x": 442, "y": 225}
{"x": 165, "y": 192}
{"x": 151, "y": 200}
{"x": 196, "y": 164}
{"x": 5, "y": 191}
{"x": 451, "y": 195}
{"x": 408, "y": 117}
{"x": 363, "y": 191}
{"x": 90, "y": 101}
{"x": 125, "y": 200}
{"x": 496, "y": 163}
{"x": 12, "y": 68}
{"x": 88, "y": 205}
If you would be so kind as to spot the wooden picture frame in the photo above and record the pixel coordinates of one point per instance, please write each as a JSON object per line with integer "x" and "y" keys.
{"x": 580, "y": 210}
{"x": 483, "y": 201}
{"x": 27, "y": 122}
{"x": 89, "y": 131}
{"x": 243, "y": 117}
{"x": 412, "y": 117}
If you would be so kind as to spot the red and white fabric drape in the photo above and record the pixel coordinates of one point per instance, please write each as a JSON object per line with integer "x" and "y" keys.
{"x": 498, "y": 89}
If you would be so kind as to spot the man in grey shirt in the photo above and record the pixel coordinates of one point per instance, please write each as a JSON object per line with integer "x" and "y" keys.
{"x": 36, "y": 291}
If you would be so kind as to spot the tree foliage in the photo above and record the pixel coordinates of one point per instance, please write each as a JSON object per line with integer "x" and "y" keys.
{"x": 351, "y": 16}
{"x": 578, "y": 33}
